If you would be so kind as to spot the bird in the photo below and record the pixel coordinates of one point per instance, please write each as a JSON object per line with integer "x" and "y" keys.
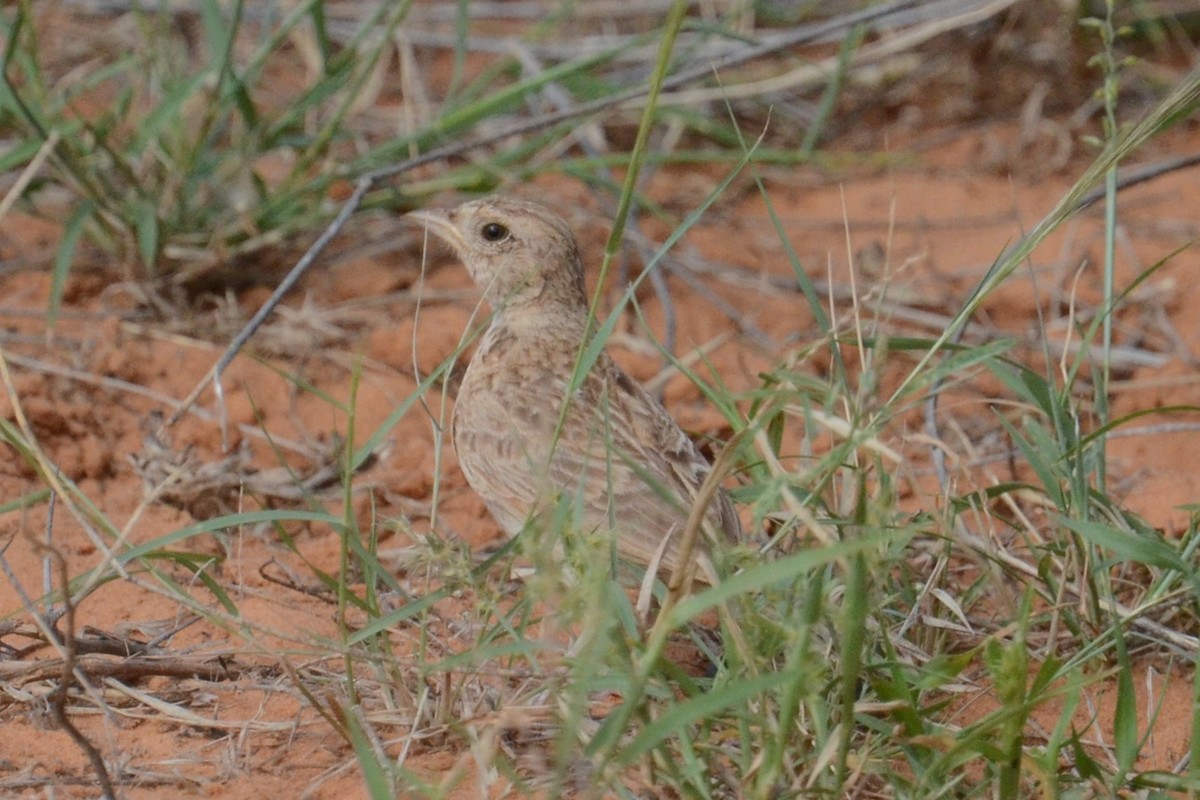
{"x": 531, "y": 434}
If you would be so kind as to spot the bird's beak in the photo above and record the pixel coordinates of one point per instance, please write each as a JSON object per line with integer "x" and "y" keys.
{"x": 438, "y": 222}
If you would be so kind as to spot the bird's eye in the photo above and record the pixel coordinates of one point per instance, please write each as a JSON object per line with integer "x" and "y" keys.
{"x": 493, "y": 232}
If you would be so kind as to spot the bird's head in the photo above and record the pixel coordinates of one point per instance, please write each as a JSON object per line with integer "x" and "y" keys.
{"x": 521, "y": 254}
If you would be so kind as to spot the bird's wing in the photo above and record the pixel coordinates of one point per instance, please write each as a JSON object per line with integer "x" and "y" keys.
{"x": 664, "y": 443}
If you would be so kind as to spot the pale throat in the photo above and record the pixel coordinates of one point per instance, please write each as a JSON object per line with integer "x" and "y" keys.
{"x": 542, "y": 318}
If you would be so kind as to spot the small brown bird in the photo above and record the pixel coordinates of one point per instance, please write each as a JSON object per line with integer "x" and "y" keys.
{"x": 615, "y": 455}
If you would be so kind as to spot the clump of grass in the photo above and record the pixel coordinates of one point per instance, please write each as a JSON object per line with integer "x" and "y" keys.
{"x": 181, "y": 154}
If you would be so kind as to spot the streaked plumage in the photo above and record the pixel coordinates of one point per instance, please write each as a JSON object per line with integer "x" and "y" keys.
{"x": 618, "y": 451}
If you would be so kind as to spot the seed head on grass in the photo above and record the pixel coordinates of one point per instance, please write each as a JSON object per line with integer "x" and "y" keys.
{"x": 532, "y": 429}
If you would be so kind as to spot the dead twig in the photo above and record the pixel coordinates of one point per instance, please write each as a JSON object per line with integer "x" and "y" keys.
{"x": 66, "y": 670}
{"x": 96, "y": 666}
{"x": 1141, "y": 174}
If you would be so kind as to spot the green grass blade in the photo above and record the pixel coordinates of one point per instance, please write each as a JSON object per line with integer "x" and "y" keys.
{"x": 704, "y": 706}
{"x": 64, "y": 256}
{"x": 1129, "y": 547}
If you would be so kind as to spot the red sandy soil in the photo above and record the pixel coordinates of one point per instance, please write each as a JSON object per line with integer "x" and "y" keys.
{"x": 941, "y": 213}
